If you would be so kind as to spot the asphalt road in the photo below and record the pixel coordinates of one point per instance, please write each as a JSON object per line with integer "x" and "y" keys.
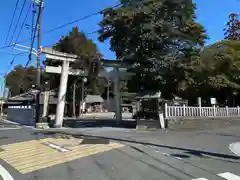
{"x": 118, "y": 154}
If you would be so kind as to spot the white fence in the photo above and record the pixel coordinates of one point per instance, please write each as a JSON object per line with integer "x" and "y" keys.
{"x": 191, "y": 111}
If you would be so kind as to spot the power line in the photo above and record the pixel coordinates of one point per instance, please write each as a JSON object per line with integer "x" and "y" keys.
{"x": 13, "y": 60}
{"x": 23, "y": 23}
{"x": 34, "y": 35}
{"x": 88, "y": 33}
{"x": 11, "y": 64}
{"x": 19, "y": 17}
{"x": 63, "y": 25}
{"x": 77, "y": 20}
{"x": 11, "y": 23}
{"x": 33, "y": 17}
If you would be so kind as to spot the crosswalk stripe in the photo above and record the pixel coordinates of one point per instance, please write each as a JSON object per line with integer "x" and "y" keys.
{"x": 200, "y": 179}
{"x": 229, "y": 176}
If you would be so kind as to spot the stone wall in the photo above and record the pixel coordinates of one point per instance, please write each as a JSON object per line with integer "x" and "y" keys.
{"x": 202, "y": 123}
{"x": 148, "y": 124}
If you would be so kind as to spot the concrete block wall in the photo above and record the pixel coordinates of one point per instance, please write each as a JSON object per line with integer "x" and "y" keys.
{"x": 148, "y": 124}
{"x": 202, "y": 123}
{"x": 24, "y": 115}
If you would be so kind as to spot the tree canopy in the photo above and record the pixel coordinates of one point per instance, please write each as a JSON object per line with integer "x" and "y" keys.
{"x": 77, "y": 43}
{"x": 232, "y": 31}
{"x": 164, "y": 47}
{"x": 157, "y": 38}
{"x": 21, "y": 79}
{"x": 217, "y": 72}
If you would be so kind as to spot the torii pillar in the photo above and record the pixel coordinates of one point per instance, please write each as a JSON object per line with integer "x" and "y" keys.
{"x": 66, "y": 59}
{"x": 117, "y": 65}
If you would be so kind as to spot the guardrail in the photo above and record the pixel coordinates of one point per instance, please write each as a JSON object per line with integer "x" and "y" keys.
{"x": 191, "y": 111}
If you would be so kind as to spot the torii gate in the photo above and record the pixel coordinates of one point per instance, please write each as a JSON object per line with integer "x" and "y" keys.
{"x": 66, "y": 58}
{"x": 65, "y": 71}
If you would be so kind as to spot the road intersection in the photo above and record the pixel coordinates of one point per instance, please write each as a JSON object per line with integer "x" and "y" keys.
{"x": 114, "y": 154}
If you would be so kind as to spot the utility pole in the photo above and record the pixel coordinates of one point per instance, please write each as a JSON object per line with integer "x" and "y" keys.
{"x": 40, "y": 7}
{"x": 3, "y": 93}
{"x": 39, "y": 44}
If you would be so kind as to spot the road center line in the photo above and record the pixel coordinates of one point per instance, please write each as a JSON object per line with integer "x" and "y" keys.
{"x": 5, "y": 174}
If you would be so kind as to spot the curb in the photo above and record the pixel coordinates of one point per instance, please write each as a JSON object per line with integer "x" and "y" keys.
{"x": 5, "y": 120}
{"x": 19, "y": 125}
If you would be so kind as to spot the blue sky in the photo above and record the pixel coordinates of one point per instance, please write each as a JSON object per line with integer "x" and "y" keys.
{"x": 212, "y": 14}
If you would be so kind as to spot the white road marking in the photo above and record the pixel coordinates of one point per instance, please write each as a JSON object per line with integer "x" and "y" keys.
{"x": 235, "y": 148}
{"x": 169, "y": 155}
{"x": 229, "y": 176}
{"x": 226, "y": 175}
{"x": 5, "y": 174}
{"x": 54, "y": 146}
{"x": 10, "y": 128}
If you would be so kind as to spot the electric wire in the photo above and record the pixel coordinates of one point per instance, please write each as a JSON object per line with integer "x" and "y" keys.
{"x": 11, "y": 23}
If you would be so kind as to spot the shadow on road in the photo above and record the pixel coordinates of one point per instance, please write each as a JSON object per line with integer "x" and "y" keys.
{"x": 220, "y": 134}
{"x": 188, "y": 151}
{"x": 83, "y": 123}
{"x": 68, "y": 138}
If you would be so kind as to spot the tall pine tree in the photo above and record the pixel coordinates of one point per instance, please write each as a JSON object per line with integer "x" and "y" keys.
{"x": 232, "y": 32}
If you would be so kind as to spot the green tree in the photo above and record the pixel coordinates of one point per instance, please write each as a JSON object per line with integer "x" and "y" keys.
{"x": 21, "y": 79}
{"x": 217, "y": 71}
{"x": 232, "y": 32}
{"x": 156, "y": 37}
{"x": 77, "y": 43}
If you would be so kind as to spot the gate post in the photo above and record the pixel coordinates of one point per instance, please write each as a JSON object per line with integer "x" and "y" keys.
{"x": 214, "y": 110}
{"x": 166, "y": 110}
{"x": 184, "y": 110}
{"x": 227, "y": 110}
{"x": 62, "y": 94}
